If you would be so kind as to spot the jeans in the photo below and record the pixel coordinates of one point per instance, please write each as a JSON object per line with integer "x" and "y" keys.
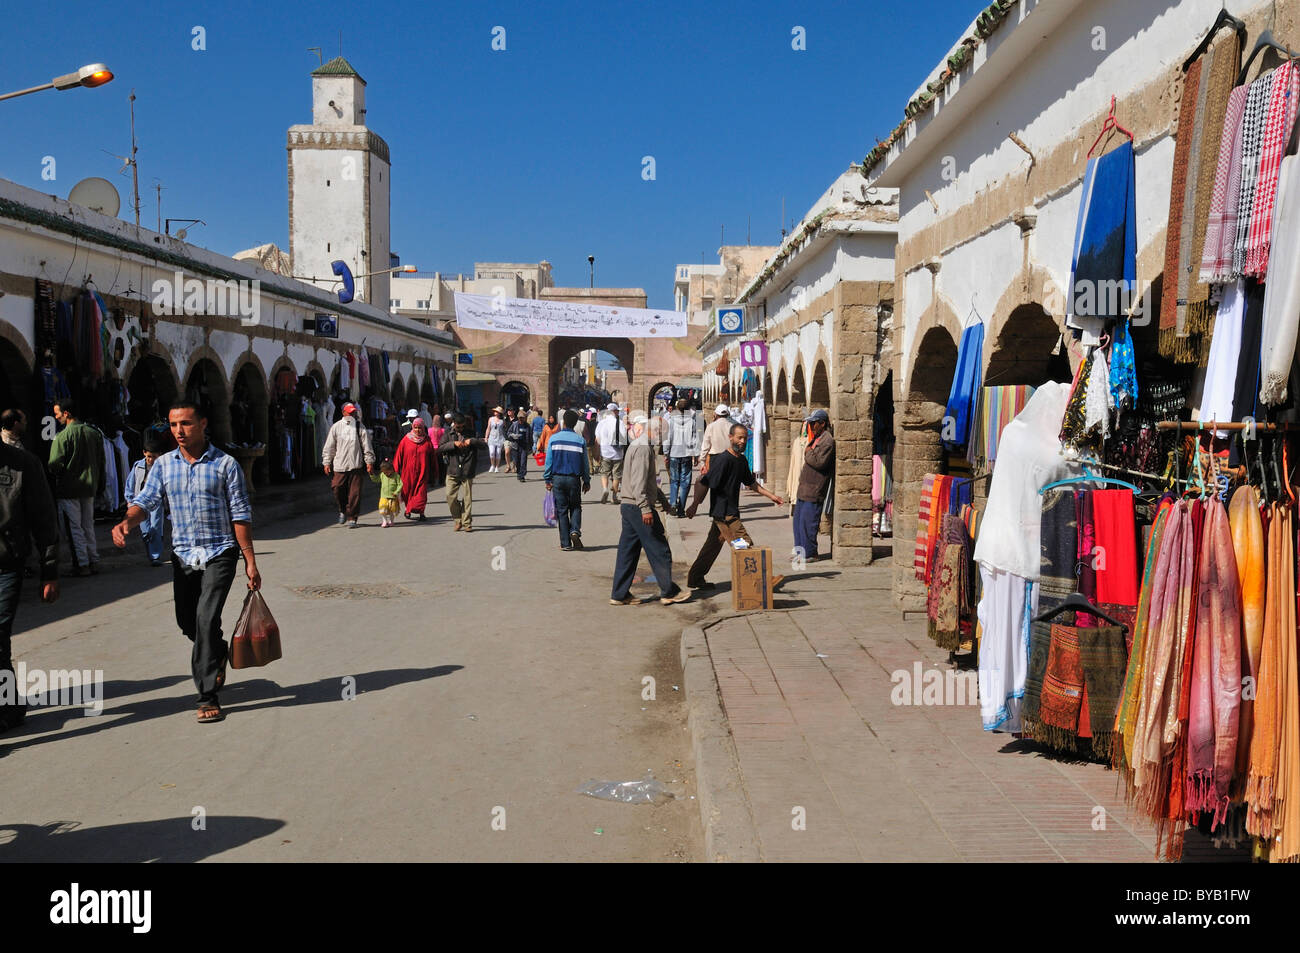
{"x": 807, "y": 518}
{"x": 11, "y": 587}
{"x": 567, "y": 491}
{"x": 679, "y": 481}
{"x": 200, "y": 595}
{"x": 152, "y": 532}
{"x": 637, "y": 535}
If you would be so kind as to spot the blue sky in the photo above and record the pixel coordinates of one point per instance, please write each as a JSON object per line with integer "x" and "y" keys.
{"x": 531, "y": 153}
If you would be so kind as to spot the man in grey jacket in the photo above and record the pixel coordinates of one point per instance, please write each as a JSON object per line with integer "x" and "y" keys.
{"x": 641, "y": 525}
{"x": 347, "y": 449}
{"x": 681, "y": 445}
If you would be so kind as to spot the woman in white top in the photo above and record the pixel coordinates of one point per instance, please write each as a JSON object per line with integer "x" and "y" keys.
{"x": 496, "y": 439}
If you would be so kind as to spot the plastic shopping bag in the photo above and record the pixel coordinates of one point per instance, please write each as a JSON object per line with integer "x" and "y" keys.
{"x": 548, "y": 508}
{"x": 257, "y": 636}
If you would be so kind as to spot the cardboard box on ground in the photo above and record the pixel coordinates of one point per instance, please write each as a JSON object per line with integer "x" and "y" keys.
{"x": 751, "y": 578}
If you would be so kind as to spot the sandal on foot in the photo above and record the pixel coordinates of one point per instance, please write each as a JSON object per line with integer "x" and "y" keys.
{"x": 210, "y": 713}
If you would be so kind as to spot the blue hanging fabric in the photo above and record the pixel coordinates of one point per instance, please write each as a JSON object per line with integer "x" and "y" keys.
{"x": 965, "y": 385}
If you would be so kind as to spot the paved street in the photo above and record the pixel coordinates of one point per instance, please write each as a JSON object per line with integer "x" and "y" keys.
{"x": 477, "y": 687}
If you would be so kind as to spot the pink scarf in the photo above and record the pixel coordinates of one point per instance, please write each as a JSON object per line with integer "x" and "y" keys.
{"x": 417, "y": 437}
{"x": 1216, "y": 256}
{"x": 1216, "y": 671}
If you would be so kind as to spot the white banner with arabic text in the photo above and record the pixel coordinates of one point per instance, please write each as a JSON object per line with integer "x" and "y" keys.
{"x": 566, "y": 318}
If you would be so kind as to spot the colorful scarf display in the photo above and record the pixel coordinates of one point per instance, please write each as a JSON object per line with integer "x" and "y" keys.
{"x": 1059, "y": 540}
{"x": 1221, "y": 228}
{"x": 1122, "y": 756}
{"x": 1278, "y": 120}
{"x": 921, "y": 554}
{"x": 1248, "y": 552}
{"x": 1252, "y": 138}
{"x": 1278, "y": 643}
{"x": 1216, "y": 671}
{"x": 948, "y": 600}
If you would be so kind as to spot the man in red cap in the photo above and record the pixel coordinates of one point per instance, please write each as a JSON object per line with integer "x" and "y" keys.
{"x": 347, "y": 450}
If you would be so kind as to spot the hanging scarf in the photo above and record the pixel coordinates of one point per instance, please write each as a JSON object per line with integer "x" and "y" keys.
{"x": 1126, "y": 716}
{"x": 1224, "y": 62}
{"x": 1225, "y": 351}
{"x": 1279, "y": 628}
{"x": 1116, "y": 539}
{"x": 939, "y": 507}
{"x": 965, "y": 386}
{"x": 1178, "y": 191}
{"x": 1216, "y": 258}
{"x": 1277, "y": 130}
{"x": 1286, "y": 792}
{"x": 949, "y": 596}
{"x": 1106, "y": 242}
{"x": 1155, "y": 728}
{"x": 1059, "y": 544}
{"x": 1097, "y": 401}
{"x": 1252, "y": 136}
{"x": 1216, "y": 672}
{"x": 1123, "y": 367}
{"x": 1282, "y": 290}
{"x": 1074, "y": 421}
{"x": 1248, "y": 553}
{"x": 1245, "y": 388}
{"x": 919, "y": 554}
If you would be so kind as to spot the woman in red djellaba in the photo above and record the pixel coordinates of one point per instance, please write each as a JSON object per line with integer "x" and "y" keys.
{"x": 414, "y": 462}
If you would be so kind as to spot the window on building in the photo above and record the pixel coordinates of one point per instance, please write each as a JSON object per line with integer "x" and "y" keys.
{"x": 423, "y": 305}
{"x": 707, "y": 303}
{"x": 394, "y": 302}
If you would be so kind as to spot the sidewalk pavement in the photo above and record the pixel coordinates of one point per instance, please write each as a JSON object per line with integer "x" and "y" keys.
{"x": 801, "y": 755}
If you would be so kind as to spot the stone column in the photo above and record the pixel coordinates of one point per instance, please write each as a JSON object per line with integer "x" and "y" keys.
{"x": 918, "y": 451}
{"x": 778, "y": 451}
{"x": 853, "y": 394}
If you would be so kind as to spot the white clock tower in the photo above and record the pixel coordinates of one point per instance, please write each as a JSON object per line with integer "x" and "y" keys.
{"x": 339, "y": 187}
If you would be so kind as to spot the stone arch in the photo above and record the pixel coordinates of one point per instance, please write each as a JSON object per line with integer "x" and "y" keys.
{"x": 561, "y": 349}
{"x": 18, "y": 387}
{"x": 249, "y": 407}
{"x": 1019, "y": 349}
{"x": 317, "y": 373}
{"x": 427, "y": 395}
{"x": 919, "y": 448}
{"x": 515, "y": 393}
{"x": 819, "y": 395}
{"x": 412, "y": 392}
{"x": 153, "y": 387}
{"x": 654, "y": 389}
{"x": 798, "y": 392}
{"x": 206, "y": 385}
{"x": 398, "y": 391}
{"x": 940, "y": 314}
{"x": 782, "y": 403}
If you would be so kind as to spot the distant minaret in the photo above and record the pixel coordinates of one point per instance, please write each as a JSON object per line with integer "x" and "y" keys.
{"x": 339, "y": 186}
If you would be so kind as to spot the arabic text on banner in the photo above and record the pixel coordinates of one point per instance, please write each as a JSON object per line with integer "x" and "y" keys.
{"x": 565, "y": 318}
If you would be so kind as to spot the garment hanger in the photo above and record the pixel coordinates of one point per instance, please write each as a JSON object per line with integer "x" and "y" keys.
{"x": 1223, "y": 19}
{"x": 1265, "y": 41}
{"x": 1110, "y": 123}
{"x": 1077, "y": 602}
{"x": 1090, "y": 477}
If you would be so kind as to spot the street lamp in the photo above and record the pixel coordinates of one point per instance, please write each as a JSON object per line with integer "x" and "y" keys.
{"x": 96, "y": 74}
{"x": 591, "y": 260}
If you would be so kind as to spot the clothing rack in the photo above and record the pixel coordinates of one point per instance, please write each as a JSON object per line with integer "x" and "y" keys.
{"x": 1195, "y": 425}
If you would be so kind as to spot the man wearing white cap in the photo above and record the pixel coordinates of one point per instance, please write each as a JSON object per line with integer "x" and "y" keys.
{"x": 347, "y": 449}
{"x": 611, "y": 434}
{"x": 716, "y": 439}
{"x": 641, "y": 526}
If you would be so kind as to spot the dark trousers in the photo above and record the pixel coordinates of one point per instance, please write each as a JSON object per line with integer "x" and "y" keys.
{"x": 636, "y": 536}
{"x": 721, "y": 530}
{"x": 11, "y": 587}
{"x": 679, "y": 481}
{"x": 567, "y": 492}
{"x": 346, "y": 485}
{"x": 200, "y": 595}
{"x": 521, "y": 461}
{"x": 807, "y": 518}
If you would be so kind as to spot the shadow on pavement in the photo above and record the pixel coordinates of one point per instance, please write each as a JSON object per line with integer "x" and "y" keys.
{"x": 260, "y": 691}
{"x": 172, "y": 839}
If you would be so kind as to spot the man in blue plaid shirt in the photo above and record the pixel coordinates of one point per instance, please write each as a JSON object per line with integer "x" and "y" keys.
{"x": 211, "y": 527}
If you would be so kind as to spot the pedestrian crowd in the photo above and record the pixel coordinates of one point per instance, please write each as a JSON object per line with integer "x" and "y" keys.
{"x": 188, "y": 483}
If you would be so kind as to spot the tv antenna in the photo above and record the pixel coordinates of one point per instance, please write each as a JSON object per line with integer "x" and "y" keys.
{"x": 130, "y": 162}
{"x": 316, "y": 50}
{"x": 158, "y": 188}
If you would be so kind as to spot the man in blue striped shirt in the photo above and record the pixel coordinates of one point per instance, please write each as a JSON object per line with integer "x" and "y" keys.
{"x": 211, "y": 527}
{"x": 567, "y": 468}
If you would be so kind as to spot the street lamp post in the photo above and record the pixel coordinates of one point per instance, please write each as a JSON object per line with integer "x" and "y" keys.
{"x": 591, "y": 260}
{"x": 96, "y": 74}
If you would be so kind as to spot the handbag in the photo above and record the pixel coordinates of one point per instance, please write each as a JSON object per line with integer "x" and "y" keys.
{"x": 257, "y": 636}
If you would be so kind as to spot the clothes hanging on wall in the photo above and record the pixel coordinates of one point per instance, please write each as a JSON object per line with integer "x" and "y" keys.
{"x": 965, "y": 387}
{"x": 1105, "y": 246}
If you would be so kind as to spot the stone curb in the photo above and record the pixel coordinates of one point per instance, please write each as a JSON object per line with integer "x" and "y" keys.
{"x": 730, "y": 834}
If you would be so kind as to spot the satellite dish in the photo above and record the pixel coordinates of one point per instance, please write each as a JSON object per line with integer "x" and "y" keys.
{"x": 182, "y": 233}
{"x": 96, "y": 194}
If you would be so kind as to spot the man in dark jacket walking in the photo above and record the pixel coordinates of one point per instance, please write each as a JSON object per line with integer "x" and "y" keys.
{"x": 459, "y": 451}
{"x": 568, "y": 475}
{"x": 520, "y": 435}
{"x": 26, "y": 513}
{"x": 814, "y": 481}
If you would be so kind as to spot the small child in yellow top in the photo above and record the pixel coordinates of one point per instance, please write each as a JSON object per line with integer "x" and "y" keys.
{"x": 390, "y": 488}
